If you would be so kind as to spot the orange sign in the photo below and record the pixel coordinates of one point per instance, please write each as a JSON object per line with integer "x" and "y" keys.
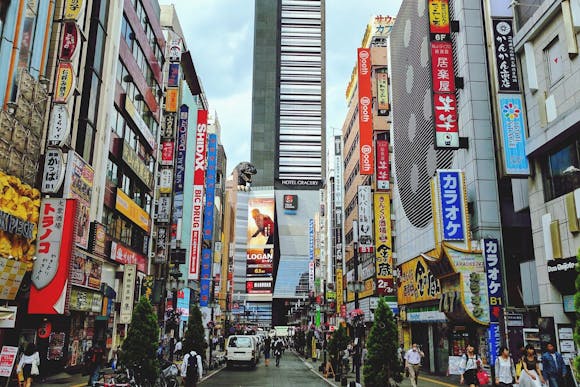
{"x": 171, "y": 98}
{"x": 72, "y": 9}
{"x": 131, "y": 210}
{"x": 65, "y": 81}
{"x": 439, "y": 17}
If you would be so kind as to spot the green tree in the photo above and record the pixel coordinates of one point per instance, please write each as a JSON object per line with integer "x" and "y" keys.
{"x": 382, "y": 363}
{"x": 577, "y": 307}
{"x": 338, "y": 342}
{"x": 194, "y": 338}
{"x": 139, "y": 350}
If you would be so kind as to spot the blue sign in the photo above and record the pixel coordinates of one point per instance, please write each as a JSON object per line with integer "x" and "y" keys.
{"x": 206, "y": 253}
{"x": 452, "y": 204}
{"x": 173, "y": 76}
{"x": 493, "y": 342}
{"x": 494, "y": 278}
{"x": 181, "y": 148}
{"x": 183, "y": 303}
{"x": 311, "y": 239}
{"x": 514, "y": 134}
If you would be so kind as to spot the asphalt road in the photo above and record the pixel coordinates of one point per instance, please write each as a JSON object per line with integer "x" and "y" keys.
{"x": 292, "y": 372}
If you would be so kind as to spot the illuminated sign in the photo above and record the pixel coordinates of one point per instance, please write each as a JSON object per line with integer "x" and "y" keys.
{"x": 65, "y": 83}
{"x": 452, "y": 204}
{"x": 127, "y": 257}
{"x": 383, "y": 245}
{"x": 491, "y": 255}
{"x": 78, "y": 184}
{"x": 505, "y": 55}
{"x": 53, "y": 173}
{"x": 365, "y": 219}
{"x": 171, "y": 98}
{"x": 365, "y": 115}
{"x": 129, "y": 276}
{"x": 70, "y": 41}
{"x": 58, "y": 127}
{"x": 439, "y": 25}
{"x": 513, "y": 132}
{"x": 416, "y": 283}
{"x": 73, "y": 9}
{"x": 383, "y": 91}
{"x": 167, "y": 150}
{"x": 383, "y": 171}
{"x": 198, "y": 191}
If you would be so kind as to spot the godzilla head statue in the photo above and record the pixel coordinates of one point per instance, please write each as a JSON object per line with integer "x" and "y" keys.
{"x": 245, "y": 171}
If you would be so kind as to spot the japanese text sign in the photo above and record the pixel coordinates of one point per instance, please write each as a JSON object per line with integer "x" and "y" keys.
{"x": 491, "y": 254}
{"x": 365, "y": 219}
{"x": 513, "y": 134}
{"x": 439, "y": 26}
{"x": 167, "y": 149}
{"x": 7, "y": 359}
{"x": 446, "y": 129}
{"x": 383, "y": 172}
{"x": 505, "y": 55}
{"x": 73, "y": 9}
{"x": 442, "y": 67}
{"x": 70, "y": 41}
{"x": 53, "y": 173}
{"x": 181, "y": 148}
{"x": 129, "y": 276}
{"x": 452, "y": 204}
{"x": 126, "y": 256}
{"x": 383, "y": 91}
{"x": 384, "y": 256}
{"x": 365, "y": 115}
{"x": 58, "y": 128}
{"x": 64, "y": 83}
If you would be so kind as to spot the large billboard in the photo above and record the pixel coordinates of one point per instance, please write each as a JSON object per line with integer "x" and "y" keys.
{"x": 513, "y": 132}
{"x": 206, "y": 253}
{"x": 365, "y": 112}
{"x": 198, "y": 189}
{"x": 384, "y": 251}
{"x": 260, "y": 244}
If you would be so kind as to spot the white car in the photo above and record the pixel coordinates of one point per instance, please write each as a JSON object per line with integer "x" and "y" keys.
{"x": 242, "y": 350}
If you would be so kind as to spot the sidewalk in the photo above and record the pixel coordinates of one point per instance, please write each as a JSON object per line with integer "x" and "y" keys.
{"x": 424, "y": 379}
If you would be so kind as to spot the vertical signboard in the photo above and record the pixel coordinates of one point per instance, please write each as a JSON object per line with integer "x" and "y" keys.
{"x": 442, "y": 67}
{"x": 384, "y": 252}
{"x": 383, "y": 171}
{"x": 439, "y": 26}
{"x": 181, "y": 148}
{"x": 365, "y": 116}
{"x": 383, "y": 91}
{"x": 78, "y": 184}
{"x": 54, "y": 243}
{"x": 513, "y": 133}
{"x": 129, "y": 276}
{"x": 452, "y": 204}
{"x": 64, "y": 83}
{"x": 54, "y": 169}
{"x": 338, "y": 171}
{"x": 365, "y": 219}
{"x": 167, "y": 152}
{"x": 339, "y": 290}
{"x": 198, "y": 189}
{"x": 311, "y": 264}
{"x": 260, "y": 245}
{"x": 505, "y": 56}
{"x": 208, "y": 212}
{"x": 494, "y": 278}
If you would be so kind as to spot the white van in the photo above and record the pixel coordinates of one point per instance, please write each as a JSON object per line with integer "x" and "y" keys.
{"x": 241, "y": 349}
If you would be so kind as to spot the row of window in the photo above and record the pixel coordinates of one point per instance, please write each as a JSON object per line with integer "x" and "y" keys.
{"x": 132, "y": 187}
{"x": 125, "y": 231}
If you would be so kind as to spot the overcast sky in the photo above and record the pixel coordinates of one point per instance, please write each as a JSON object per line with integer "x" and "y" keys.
{"x": 219, "y": 34}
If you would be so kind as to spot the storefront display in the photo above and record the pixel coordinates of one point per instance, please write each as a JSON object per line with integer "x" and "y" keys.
{"x": 56, "y": 346}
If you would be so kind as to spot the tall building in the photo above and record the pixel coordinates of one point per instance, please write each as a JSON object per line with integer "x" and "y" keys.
{"x": 288, "y": 130}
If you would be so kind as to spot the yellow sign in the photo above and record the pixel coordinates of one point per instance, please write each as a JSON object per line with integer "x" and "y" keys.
{"x": 369, "y": 290}
{"x": 64, "y": 84}
{"x": 439, "y": 16}
{"x": 171, "y": 98}
{"x": 131, "y": 210}
{"x": 72, "y": 9}
{"x": 339, "y": 295}
{"x": 417, "y": 283}
{"x": 383, "y": 245}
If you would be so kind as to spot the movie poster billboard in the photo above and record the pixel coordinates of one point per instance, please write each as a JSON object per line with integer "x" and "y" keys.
{"x": 260, "y": 242}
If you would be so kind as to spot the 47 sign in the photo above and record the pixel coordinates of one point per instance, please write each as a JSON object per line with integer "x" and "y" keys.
{"x": 494, "y": 278}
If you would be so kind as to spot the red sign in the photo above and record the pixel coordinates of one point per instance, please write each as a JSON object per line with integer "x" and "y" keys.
{"x": 259, "y": 287}
{"x": 167, "y": 151}
{"x": 7, "y": 359}
{"x": 70, "y": 41}
{"x": 343, "y": 311}
{"x": 445, "y": 111}
{"x": 365, "y": 112}
{"x": 126, "y": 256}
{"x": 50, "y": 272}
{"x": 198, "y": 193}
{"x": 383, "y": 173}
{"x": 442, "y": 67}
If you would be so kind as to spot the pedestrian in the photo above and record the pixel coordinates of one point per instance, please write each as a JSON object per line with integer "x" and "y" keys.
{"x": 29, "y": 364}
{"x": 505, "y": 370}
{"x": 345, "y": 359}
{"x": 554, "y": 367}
{"x": 178, "y": 350}
{"x": 401, "y": 353}
{"x": 469, "y": 365}
{"x": 278, "y": 348}
{"x": 531, "y": 374}
{"x": 191, "y": 369}
{"x": 95, "y": 363}
{"x": 171, "y": 348}
{"x": 364, "y": 355}
{"x": 356, "y": 354}
{"x": 267, "y": 348}
{"x": 413, "y": 363}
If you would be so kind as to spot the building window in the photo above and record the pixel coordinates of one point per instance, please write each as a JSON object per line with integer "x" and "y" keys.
{"x": 561, "y": 170}
{"x": 112, "y": 171}
{"x": 554, "y": 57}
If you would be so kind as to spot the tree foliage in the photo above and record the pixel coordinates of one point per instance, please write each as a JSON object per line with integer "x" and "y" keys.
{"x": 194, "y": 338}
{"x": 139, "y": 350}
{"x": 577, "y": 307}
{"x": 382, "y": 363}
{"x": 338, "y": 342}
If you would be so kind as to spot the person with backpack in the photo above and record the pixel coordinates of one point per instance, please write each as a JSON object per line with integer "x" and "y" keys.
{"x": 505, "y": 369}
{"x": 469, "y": 366}
{"x": 191, "y": 369}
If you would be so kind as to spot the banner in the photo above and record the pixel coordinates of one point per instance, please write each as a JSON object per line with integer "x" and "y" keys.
{"x": 365, "y": 219}
{"x": 183, "y": 296}
{"x": 513, "y": 132}
{"x": 365, "y": 112}
{"x": 78, "y": 184}
{"x": 383, "y": 170}
{"x": 260, "y": 241}
{"x": 384, "y": 251}
{"x": 208, "y": 223}
{"x": 129, "y": 276}
{"x": 505, "y": 55}
{"x": 198, "y": 190}
{"x": 442, "y": 67}
{"x": 452, "y": 203}
{"x": 54, "y": 243}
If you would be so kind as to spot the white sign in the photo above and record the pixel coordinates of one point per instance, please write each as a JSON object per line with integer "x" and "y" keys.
{"x": 48, "y": 243}
{"x": 163, "y": 209}
{"x": 7, "y": 358}
{"x": 365, "y": 219}
{"x": 58, "y": 128}
{"x": 53, "y": 173}
{"x": 129, "y": 276}
{"x": 165, "y": 180}
{"x": 10, "y": 320}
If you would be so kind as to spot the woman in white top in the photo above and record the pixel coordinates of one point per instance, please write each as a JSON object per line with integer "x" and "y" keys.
{"x": 505, "y": 370}
{"x": 531, "y": 375}
{"x": 29, "y": 358}
{"x": 469, "y": 364}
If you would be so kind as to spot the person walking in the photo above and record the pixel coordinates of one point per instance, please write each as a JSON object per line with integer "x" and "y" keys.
{"x": 278, "y": 348}
{"x": 553, "y": 366}
{"x": 267, "y": 349}
{"x": 531, "y": 374}
{"x": 29, "y": 364}
{"x": 469, "y": 365}
{"x": 413, "y": 363}
{"x": 178, "y": 350}
{"x": 95, "y": 363}
{"x": 505, "y": 370}
{"x": 191, "y": 369}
